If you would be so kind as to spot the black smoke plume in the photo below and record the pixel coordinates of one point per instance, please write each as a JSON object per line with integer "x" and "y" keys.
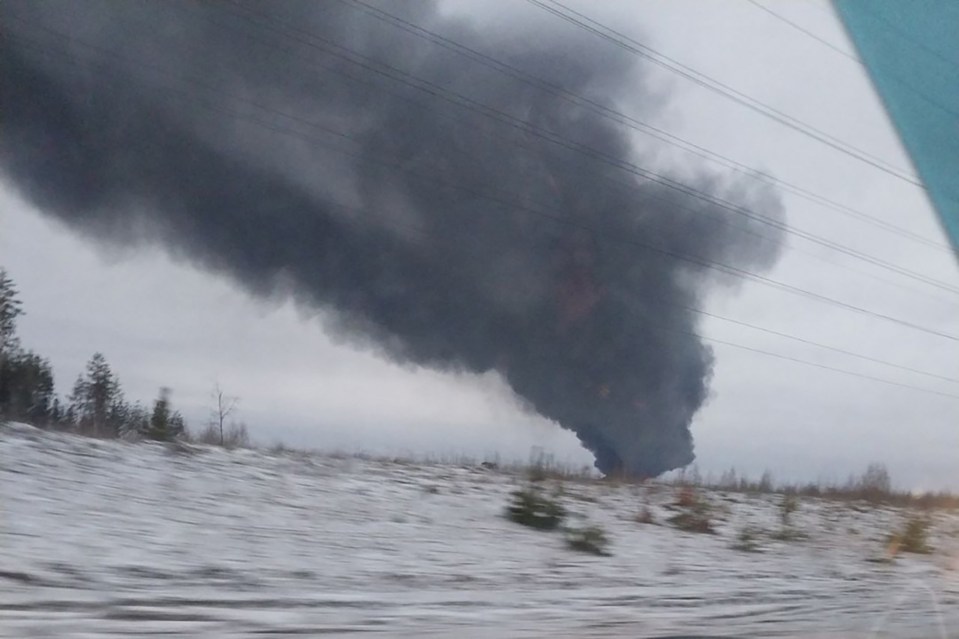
{"x": 458, "y": 217}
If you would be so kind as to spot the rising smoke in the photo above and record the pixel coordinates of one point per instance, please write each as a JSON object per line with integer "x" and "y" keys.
{"x": 443, "y": 210}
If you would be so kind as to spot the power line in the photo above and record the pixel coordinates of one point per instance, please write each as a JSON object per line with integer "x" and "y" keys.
{"x": 487, "y": 111}
{"x": 645, "y": 51}
{"x": 631, "y": 122}
{"x": 827, "y": 367}
{"x": 895, "y": 78}
{"x": 699, "y": 311}
{"x": 806, "y": 31}
{"x": 704, "y": 338}
{"x": 835, "y": 349}
{"x": 794, "y": 338}
{"x": 512, "y": 205}
{"x": 788, "y": 336}
{"x": 825, "y": 9}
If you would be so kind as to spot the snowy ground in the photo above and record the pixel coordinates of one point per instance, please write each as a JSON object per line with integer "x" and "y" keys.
{"x": 110, "y": 539}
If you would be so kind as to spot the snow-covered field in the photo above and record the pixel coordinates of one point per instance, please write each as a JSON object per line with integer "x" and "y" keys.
{"x": 111, "y": 539}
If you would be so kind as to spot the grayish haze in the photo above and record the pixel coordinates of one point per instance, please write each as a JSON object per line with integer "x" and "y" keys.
{"x": 160, "y": 321}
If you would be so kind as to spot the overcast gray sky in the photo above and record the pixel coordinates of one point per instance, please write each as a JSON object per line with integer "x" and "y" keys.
{"x": 161, "y": 322}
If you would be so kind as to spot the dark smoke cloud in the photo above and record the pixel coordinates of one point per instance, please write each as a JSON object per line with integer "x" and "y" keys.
{"x": 247, "y": 143}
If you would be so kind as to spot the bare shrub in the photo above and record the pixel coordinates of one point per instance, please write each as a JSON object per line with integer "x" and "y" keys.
{"x": 875, "y": 483}
{"x": 687, "y": 497}
{"x": 209, "y": 435}
{"x": 236, "y": 436}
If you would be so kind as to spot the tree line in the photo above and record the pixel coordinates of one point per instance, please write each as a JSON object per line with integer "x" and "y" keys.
{"x": 96, "y": 405}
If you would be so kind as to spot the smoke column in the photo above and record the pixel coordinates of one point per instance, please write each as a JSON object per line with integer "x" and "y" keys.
{"x": 280, "y": 144}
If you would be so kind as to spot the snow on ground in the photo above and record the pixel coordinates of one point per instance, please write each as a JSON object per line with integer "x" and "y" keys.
{"x": 114, "y": 539}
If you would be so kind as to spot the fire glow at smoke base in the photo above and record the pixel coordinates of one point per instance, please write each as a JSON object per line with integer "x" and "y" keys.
{"x": 417, "y": 223}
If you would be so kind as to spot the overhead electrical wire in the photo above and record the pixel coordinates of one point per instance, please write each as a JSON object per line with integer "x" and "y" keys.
{"x": 827, "y": 367}
{"x": 723, "y": 268}
{"x": 407, "y": 79}
{"x": 802, "y": 29}
{"x": 637, "y": 48}
{"x": 645, "y": 128}
{"x": 545, "y": 213}
{"x": 634, "y": 123}
{"x": 834, "y": 349}
{"x": 895, "y": 78}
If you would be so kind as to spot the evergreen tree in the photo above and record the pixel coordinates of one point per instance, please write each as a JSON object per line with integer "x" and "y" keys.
{"x": 10, "y": 309}
{"x": 26, "y": 379}
{"x": 177, "y": 425}
{"x": 160, "y": 419}
{"x": 165, "y": 423}
{"x": 57, "y": 413}
{"x": 96, "y": 405}
{"x": 131, "y": 419}
{"x": 75, "y": 401}
{"x": 26, "y": 388}
{"x": 97, "y": 400}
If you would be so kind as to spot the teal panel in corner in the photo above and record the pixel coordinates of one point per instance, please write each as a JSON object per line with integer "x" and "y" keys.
{"x": 911, "y": 49}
